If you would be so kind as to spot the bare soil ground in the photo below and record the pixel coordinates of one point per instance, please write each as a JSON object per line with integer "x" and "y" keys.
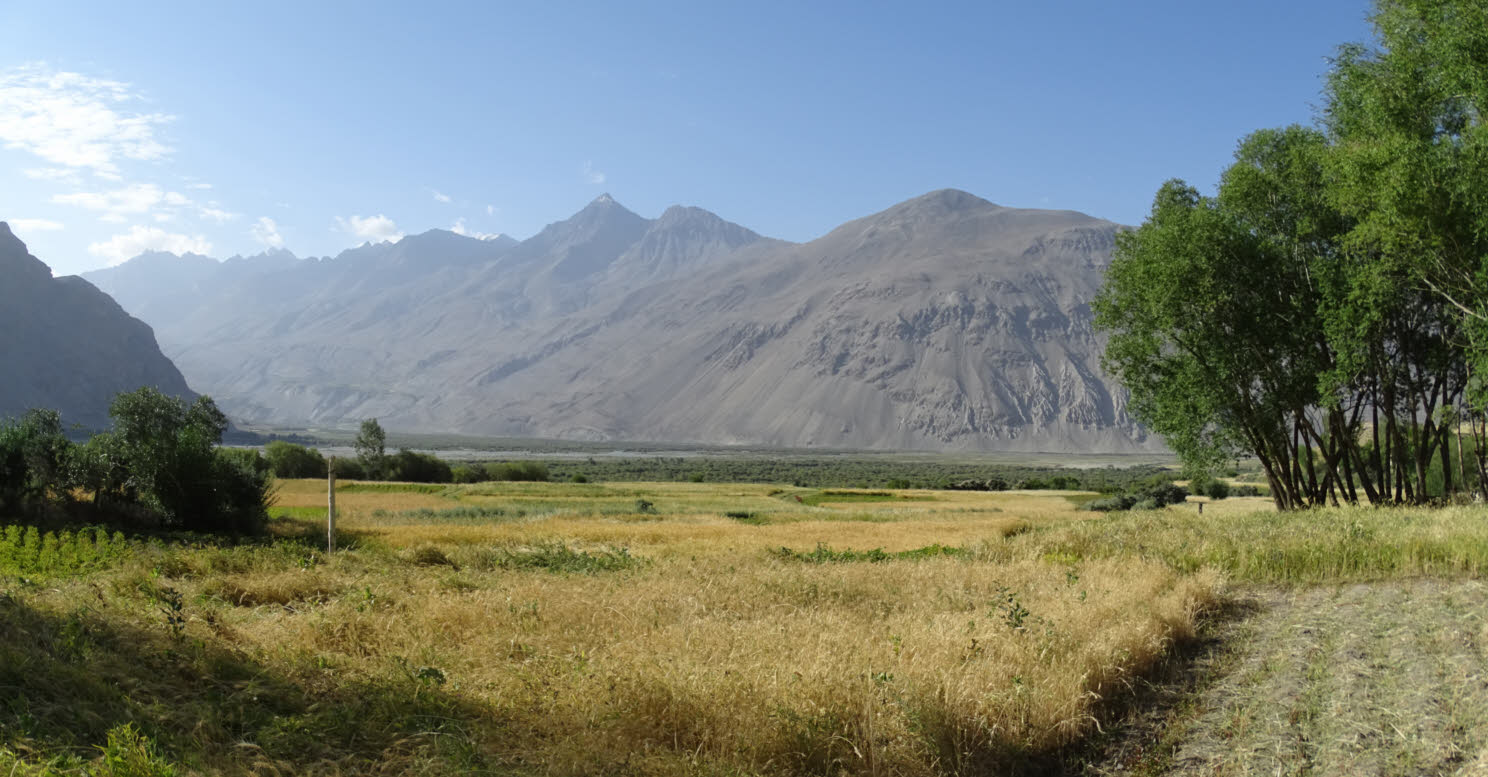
{"x": 1363, "y": 679}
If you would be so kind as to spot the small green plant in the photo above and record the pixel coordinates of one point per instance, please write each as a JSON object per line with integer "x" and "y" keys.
{"x": 128, "y": 753}
{"x": 1013, "y": 612}
{"x": 173, "y": 607}
{"x": 644, "y": 506}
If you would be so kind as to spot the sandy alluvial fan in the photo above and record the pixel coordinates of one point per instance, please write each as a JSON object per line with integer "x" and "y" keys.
{"x": 944, "y": 322}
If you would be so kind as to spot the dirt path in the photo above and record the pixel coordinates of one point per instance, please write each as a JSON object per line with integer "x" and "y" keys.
{"x": 1380, "y": 679}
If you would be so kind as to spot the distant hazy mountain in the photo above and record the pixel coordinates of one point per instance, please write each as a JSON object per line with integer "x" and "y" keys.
{"x": 944, "y": 322}
{"x": 67, "y": 346}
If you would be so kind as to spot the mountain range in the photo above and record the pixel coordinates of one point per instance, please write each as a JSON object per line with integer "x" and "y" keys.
{"x": 67, "y": 346}
{"x": 942, "y": 323}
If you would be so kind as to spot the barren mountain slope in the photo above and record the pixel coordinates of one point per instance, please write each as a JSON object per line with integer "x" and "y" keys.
{"x": 67, "y": 346}
{"x": 945, "y": 322}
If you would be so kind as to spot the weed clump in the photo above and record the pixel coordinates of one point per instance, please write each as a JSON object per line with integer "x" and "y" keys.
{"x": 825, "y": 555}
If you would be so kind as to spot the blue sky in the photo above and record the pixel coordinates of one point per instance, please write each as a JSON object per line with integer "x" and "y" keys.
{"x": 229, "y": 128}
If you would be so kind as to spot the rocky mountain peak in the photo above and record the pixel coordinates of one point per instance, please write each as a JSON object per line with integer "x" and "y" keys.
{"x": 16, "y": 262}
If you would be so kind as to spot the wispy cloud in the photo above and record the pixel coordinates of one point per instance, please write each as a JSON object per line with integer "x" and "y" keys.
{"x": 593, "y": 176}
{"x": 123, "y": 247}
{"x": 133, "y": 199}
{"x": 267, "y": 232}
{"x": 373, "y": 228}
{"x": 52, "y": 174}
{"x": 35, "y": 225}
{"x": 216, "y": 215}
{"x": 76, "y": 121}
{"x": 142, "y": 198}
{"x": 491, "y": 210}
{"x": 440, "y": 196}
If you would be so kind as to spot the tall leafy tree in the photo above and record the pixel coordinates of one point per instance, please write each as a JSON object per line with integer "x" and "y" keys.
{"x": 371, "y": 448}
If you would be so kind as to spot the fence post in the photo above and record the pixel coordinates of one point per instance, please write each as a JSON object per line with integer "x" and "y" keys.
{"x": 331, "y": 506}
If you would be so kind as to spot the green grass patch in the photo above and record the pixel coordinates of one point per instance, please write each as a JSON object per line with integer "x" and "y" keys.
{"x": 551, "y": 557}
{"x": 362, "y": 487}
{"x": 825, "y": 555}
{"x": 834, "y": 497}
{"x": 297, "y": 513}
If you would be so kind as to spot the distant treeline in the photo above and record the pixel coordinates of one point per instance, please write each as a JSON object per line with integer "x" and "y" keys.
{"x": 291, "y": 460}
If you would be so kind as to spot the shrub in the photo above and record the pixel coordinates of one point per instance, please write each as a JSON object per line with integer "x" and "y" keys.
{"x": 469, "y": 473}
{"x": 33, "y": 461}
{"x": 349, "y": 469}
{"x": 414, "y": 467}
{"x": 1155, "y": 494}
{"x": 247, "y": 458}
{"x": 578, "y": 477}
{"x": 533, "y": 471}
{"x": 1217, "y": 489}
{"x": 241, "y": 485}
{"x": 288, "y": 460}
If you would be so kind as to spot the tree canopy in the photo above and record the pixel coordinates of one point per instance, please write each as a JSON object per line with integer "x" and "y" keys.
{"x": 1327, "y": 309}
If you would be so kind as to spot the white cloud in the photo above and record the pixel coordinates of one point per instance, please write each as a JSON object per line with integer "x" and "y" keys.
{"x": 202, "y": 186}
{"x": 76, "y": 121}
{"x": 267, "y": 232}
{"x": 137, "y": 240}
{"x": 591, "y": 175}
{"x": 136, "y": 198}
{"x": 490, "y": 210}
{"x": 459, "y": 228}
{"x": 372, "y": 228}
{"x": 440, "y": 196}
{"x": 35, "y": 225}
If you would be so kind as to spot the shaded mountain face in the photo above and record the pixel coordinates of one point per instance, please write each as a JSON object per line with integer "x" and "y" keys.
{"x": 68, "y": 346}
{"x": 943, "y": 323}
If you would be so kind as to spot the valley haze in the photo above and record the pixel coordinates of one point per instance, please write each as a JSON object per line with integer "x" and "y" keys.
{"x": 944, "y": 323}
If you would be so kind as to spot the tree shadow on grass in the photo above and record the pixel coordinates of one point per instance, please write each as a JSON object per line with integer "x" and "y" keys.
{"x": 67, "y": 681}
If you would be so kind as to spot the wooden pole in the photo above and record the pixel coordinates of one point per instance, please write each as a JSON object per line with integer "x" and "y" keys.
{"x": 331, "y": 506}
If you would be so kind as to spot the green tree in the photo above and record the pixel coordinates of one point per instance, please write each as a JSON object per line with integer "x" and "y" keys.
{"x": 371, "y": 449}
{"x": 169, "y": 452}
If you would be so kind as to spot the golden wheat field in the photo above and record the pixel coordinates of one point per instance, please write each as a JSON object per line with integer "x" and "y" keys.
{"x": 643, "y": 628}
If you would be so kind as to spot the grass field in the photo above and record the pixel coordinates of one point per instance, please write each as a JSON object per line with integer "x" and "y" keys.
{"x": 642, "y": 628}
